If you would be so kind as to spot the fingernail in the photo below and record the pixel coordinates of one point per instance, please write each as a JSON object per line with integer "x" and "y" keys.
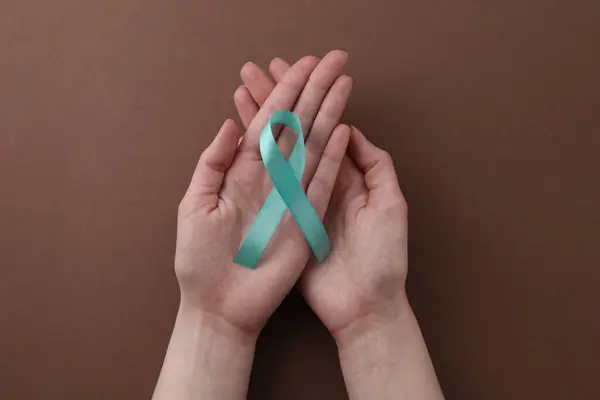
{"x": 344, "y": 52}
{"x": 239, "y": 90}
{"x": 247, "y": 69}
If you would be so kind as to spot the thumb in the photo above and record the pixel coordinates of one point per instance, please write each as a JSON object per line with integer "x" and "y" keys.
{"x": 377, "y": 167}
{"x": 213, "y": 164}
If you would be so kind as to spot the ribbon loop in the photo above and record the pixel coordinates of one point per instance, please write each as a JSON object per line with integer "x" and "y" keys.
{"x": 287, "y": 194}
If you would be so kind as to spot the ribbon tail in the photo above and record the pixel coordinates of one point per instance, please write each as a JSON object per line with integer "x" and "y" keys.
{"x": 262, "y": 231}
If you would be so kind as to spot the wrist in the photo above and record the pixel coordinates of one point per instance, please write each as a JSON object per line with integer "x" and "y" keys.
{"x": 207, "y": 358}
{"x": 208, "y": 324}
{"x": 384, "y": 356}
{"x": 376, "y": 325}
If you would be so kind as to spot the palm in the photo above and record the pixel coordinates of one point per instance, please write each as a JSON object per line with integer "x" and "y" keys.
{"x": 240, "y": 291}
{"x": 340, "y": 290}
{"x": 228, "y": 190}
{"x": 248, "y": 184}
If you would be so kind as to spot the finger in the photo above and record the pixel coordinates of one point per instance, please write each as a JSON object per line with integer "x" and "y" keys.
{"x": 326, "y": 120}
{"x": 309, "y": 103}
{"x": 349, "y": 185}
{"x": 214, "y": 163}
{"x": 283, "y": 97}
{"x": 245, "y": 105}
{"x": 377, "y": 167}
{"x": 260, "y": 85}
{"x": 257, "y": 82}
{"x": 278, "y": 68}
{"x": 321, "y": 79}
{"x": 322, "y": 184}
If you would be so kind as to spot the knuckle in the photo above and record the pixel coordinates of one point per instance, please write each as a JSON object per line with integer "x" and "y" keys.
{"x": 213, "y": 163}
{"x": 331, "y": 111}
{"x": 320, "y": 183}
{"x": 292, "y": 84}
{"x": 315, "y": 146}
{"x": 332, "y": 157}
{"x": 270, "y": 107}
{"x": 320, "y": 83}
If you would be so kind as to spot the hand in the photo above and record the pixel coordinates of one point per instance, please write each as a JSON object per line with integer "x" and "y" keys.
{"x": 358, "y": 292}
{"x": 230, "y": 185}
{"x": 224, "y": 305}
{"x": 363, "y": 278}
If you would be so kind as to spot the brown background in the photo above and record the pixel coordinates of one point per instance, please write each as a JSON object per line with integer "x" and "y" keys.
{"x": 490, "y": 109}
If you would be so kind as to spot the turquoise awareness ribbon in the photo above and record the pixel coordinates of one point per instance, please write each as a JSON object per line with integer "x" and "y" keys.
{"x": 287, "y": 194}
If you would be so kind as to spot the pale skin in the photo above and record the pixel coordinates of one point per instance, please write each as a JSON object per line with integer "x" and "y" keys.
{"x": 358, "y": 292}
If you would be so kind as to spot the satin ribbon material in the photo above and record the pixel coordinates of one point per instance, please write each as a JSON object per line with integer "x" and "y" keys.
{"x": 287, "y": 194}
